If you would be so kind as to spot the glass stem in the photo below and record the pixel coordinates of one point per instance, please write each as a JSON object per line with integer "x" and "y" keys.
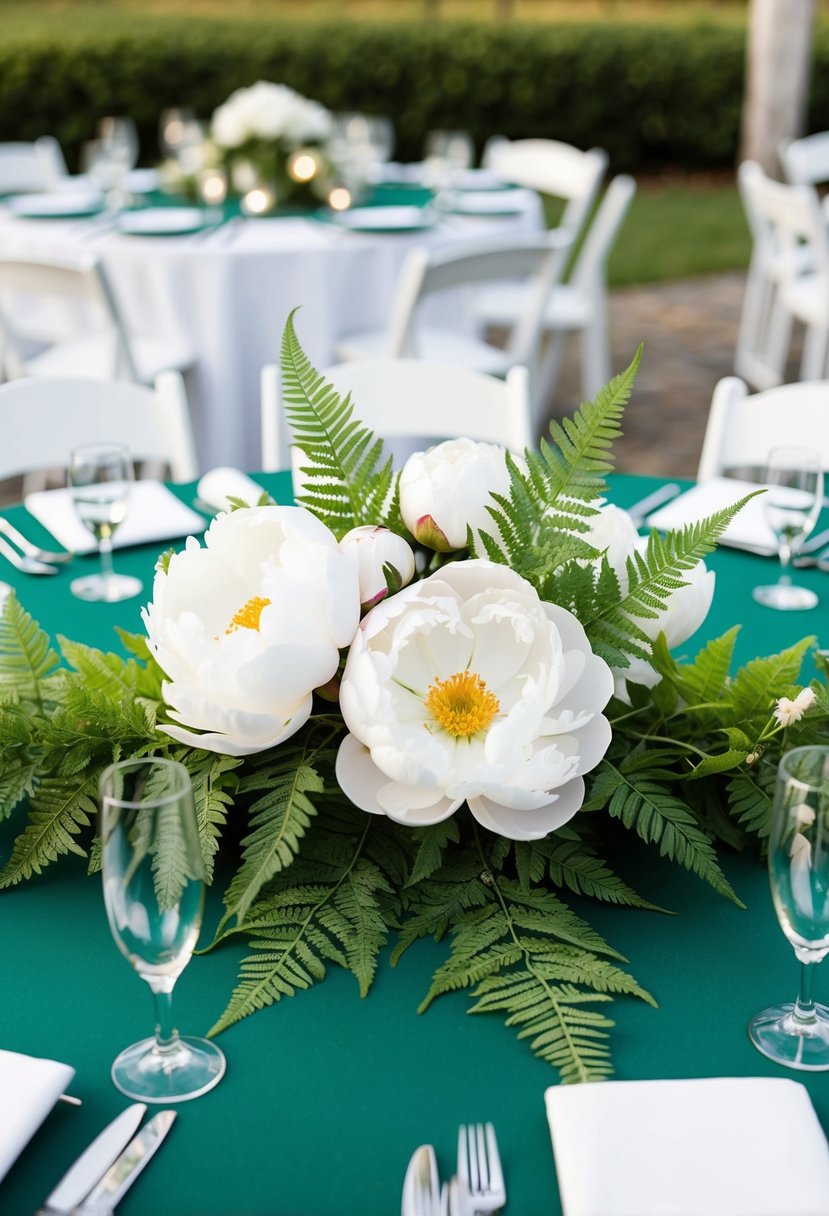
{"x": 804, "y": 1010}
{"x": 785, "y": 561}
{"x": 166, "y": 1035}
{"x": 105, "y": 550}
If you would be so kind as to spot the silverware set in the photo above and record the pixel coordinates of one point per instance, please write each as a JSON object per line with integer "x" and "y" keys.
{"x": 109, "y": 1166}
{"x": 476, "y": 1189}
{"x": 26, "y": 556}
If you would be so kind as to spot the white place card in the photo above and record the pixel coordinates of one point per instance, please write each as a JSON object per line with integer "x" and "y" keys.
{"x": 29, "y": 1088}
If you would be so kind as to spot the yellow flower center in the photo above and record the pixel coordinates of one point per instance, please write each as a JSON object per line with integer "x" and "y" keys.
{"x": 462, "y": 704}
{"x": 248, "y": 615}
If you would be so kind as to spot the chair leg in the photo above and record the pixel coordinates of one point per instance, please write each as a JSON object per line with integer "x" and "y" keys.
{"x": 815, "y": 342}
{"x": 595, "y": 352}
{"x": 549, "y": 366}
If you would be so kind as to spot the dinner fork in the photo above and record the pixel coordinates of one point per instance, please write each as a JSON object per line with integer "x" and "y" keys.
{"x": 479, "y": 1167}
{"x": 29, "y": 565}
{"x": 26, "y": 546}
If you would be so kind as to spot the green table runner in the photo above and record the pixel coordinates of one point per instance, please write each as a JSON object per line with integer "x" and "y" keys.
{"x": 326, "y": 1095}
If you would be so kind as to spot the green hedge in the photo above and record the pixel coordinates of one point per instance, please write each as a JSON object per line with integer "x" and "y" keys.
{"x": 650, "y": 94}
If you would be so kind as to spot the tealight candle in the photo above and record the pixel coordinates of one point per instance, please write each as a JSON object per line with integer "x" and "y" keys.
{"x": 213, "y": 186}
{"x": 258, "y": 201}
{"x": 303, "y": 165}
{"x": 339, "y": 199}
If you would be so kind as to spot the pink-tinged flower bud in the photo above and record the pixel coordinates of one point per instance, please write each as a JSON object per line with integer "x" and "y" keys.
{"x": 448, "y": 489}
{"x": 377, "y": 551}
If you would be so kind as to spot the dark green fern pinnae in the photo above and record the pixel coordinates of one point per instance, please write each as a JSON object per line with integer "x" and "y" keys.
{"x": 347, "y": 481}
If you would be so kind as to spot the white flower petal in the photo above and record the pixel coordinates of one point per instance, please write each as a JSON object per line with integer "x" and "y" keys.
{"x": 530, "y": 825}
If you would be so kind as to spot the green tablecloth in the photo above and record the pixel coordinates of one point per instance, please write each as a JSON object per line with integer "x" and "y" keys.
{"x": 326, "y": 1095}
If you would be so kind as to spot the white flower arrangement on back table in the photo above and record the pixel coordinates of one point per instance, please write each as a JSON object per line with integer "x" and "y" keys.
{"x": 422, "y": 704}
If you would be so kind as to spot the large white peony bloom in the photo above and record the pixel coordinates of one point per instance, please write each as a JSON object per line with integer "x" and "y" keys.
{"x": 269, "y": 112}
{"x": 613, "y": 531}
{"x": 467, "y": 687}
{"x": 248, "y": 626}
{"x": 449, "y": 487}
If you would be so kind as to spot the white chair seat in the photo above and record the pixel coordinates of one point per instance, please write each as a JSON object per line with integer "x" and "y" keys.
{"x": 433, "y": 345}
{"x": 566, "y": 308}
{"x": 93, "y": 356}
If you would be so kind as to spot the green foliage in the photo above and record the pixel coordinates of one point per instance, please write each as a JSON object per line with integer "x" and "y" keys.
{"x": 347, "y": 481}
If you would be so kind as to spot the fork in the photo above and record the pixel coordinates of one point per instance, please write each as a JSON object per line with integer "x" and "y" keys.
{"x": 31, "y": 550}
{"x": 29, "y": 565}
{"x": 479, "y": 1167}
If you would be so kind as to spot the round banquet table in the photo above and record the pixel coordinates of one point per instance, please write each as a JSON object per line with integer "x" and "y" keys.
{"x": 326, "y": 1095}
{"x": 223, "y": 295}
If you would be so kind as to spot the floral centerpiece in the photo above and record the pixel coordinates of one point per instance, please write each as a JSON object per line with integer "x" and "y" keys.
{"x": 422, "y": 704}
{"x": 268, "y": 136}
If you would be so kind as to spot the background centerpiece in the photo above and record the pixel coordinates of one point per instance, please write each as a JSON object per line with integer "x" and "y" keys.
{"x": 396, "y": 725}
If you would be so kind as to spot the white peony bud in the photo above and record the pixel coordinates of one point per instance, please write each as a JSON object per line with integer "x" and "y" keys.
{"x": 373, "y": 548}
{"x": 448, "y": 489}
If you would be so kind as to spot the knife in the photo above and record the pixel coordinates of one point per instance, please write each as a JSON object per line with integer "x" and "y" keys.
{"x": 125, "y": 1169}
{"x": 93, "y": 1161}
{"x": 421, "y": 1186}
{"x": 639, "y": 510}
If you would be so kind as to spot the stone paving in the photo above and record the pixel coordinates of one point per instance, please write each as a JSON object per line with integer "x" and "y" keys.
{"x": 689, "y": 331}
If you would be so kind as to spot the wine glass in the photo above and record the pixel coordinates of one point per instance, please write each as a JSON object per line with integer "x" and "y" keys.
{"x": 117, "y": 141}
{"x": 792, "y": 502}
{"x": 797, "y": 1035}
{"x": 153, "y": 878}
{"x": 101, "y": 477}
{"x": 447, "y": 154}
{"x": 175, "y": 130}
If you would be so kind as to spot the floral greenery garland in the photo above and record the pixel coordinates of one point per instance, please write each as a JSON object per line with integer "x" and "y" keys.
{"x": 317, "y": 881}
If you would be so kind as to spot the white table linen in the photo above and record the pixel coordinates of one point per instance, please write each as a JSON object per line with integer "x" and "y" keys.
{"x": 154, "y": 514}
{"x": 722, "y": 1146}
{"x": 29, "y": 1088}
{"x": 225, "y": 294}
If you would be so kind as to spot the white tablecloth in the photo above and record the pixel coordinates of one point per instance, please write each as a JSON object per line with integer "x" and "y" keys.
{"x": 225, "y": 296}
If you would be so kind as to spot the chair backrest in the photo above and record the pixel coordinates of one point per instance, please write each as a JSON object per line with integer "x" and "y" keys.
{"x": 411, "y": 398}
{"x": 782, "y": 218}
{"x": 590, "y": 265}
{"x": 538, "y": 260}
{"x": 806, "y": 161}
{"x": 555, "y": 168}
{"x": 82, "y": 282}
{"x": 41, "y": 420}
{"x": 26, "y": 167}
{"x": 742, "y": 429}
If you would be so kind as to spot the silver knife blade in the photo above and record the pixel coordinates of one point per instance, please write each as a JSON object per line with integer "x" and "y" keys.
{"x": 639, "y": 510}
{"x": 95, "y": 1159}
{"x": 125, "y": 1169}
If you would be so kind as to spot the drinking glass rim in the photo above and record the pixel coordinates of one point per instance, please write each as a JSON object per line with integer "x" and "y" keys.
{"x": 184, "y": 786}
{"x": 784, "y": 771}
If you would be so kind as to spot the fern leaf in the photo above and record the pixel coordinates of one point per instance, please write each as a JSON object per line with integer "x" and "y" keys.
{"x": 214, "y": 785}
{"x": 750, "y": 798}
{"x": 26, "y": 655}
{"x": 755, "y": 686}
{"x": 59, "y": 810}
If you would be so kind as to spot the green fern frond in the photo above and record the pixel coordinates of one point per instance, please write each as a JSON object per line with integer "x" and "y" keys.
{"x": 26, "y": 655}
{"x": 754, "y": 688}
{"x": 750, "y": 799}
{"x": 279, "y": 820}
{"x": 562, "y": 1032}
{"x": 432, "y": 842}
{"x": 347, "y": 481}
{"x": 660, "y": 818}
{"x": 572, "y": 864}
{"x": 59, "y": 810}
{"x": 215, "y": 783}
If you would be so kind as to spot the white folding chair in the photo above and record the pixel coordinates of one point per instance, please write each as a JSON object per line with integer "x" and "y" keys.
{"x": 410, "y": 398}
{"x": 538, "y": 260}
{"x": 60, "y": 317}
{"x": 576, "y": 306}
{"x": 31, "y": 167}
{"x": 806, "y": 161}
{"x": 42, "y": 420}
{"x": 551, "y": 167}
{"x": 788, "y": 279}
{"x": 742, "y": 429}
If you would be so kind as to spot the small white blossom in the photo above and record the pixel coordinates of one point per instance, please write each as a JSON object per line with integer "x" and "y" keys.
{"x": 787, "y": 712}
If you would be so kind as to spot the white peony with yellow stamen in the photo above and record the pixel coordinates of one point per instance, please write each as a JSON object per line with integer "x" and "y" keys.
{"x": 246, "y": 627}
{"x": 466, "y": 687}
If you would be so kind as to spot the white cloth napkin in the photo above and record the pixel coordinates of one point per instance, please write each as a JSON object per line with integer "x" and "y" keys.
{"x": 742, "y": 1146}
{"x": 29, "y": 1088}
{"x": 154, "y": 514}
{"x": 218, "y": 485}
{"x": 749, "y": 527}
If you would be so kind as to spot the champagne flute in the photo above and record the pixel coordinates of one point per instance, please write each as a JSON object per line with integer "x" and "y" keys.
{"x": 101, "y": 476}
{"x": 792, "y": 502}
{"x": 153, "y": 878}
{"x": 797, "y": 1035}
{"x": 118, "y": 140}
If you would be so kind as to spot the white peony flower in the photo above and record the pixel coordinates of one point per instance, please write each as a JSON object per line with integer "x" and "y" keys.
{"x": 248, "y": 626}
{"x": 270, "y": 112}
{"x": 467, "y": 687}
{"x": 449, "y": 487}
{"x": 788, "y": 712}
{"x": 612, "y": 530}
{"x": 372, "y": 548}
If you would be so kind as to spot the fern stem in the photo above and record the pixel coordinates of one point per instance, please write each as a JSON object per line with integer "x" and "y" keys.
{"x": 673, "y": 742}
{"x": 492, "y": 883}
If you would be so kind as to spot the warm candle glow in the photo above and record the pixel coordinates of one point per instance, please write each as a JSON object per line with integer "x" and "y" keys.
{"x": 258, "y": 201}
{"x": 339, "y": 199}
{"x": 303, "y": 166}
{"x": 213, "y": 186}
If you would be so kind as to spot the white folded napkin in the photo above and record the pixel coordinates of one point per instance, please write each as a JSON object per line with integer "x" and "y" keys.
{"x": 154, "y": 514}
{"x": 218, "y": 485}
{"x": 724, "y": 1146}
{"x": 749, "y": 526}
{"x": 29, "y": 1088}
